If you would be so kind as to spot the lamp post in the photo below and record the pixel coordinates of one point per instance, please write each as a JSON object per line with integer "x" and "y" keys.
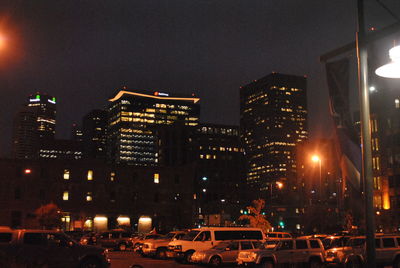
{"x": 362, "y": 63}
{"x": 316, "y": 158}
{"x": 362, "y": 57}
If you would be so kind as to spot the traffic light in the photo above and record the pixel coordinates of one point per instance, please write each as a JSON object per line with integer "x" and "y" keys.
{"x": 282, "y": 224}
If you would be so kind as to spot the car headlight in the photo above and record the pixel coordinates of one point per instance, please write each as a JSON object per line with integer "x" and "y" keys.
{"x": 178, "y": 247}
{"x": 199, "y": 255}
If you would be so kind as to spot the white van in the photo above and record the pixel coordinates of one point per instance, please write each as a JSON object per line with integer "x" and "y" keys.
{"x": 207, "y": 237}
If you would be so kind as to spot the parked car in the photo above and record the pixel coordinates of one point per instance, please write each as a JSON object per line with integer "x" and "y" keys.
{"x": 115, "y": 239}
{"x": 158, "y": 247}
{"x": 207, "y": 237}
{"x": 76, "y": 235}
{"x": 277, "y": 235}
{"x": 46, "y": 248}
{"x": 138, "y": 241}
{"x": 89, "y": 239}
{"x": 305, "y": 251}
{"x": 353, "y": 254}
{"x": 224, "y": 253}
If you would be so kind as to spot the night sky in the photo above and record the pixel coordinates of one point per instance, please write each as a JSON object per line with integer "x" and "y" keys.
{"x": 80, "y": 51}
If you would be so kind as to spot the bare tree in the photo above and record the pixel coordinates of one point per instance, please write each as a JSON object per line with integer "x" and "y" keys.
{"x": 49, "y": 216}
{"x": 255, "y": 217}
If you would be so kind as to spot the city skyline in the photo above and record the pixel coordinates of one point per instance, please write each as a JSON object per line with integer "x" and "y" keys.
{"x": 80, "y": 53}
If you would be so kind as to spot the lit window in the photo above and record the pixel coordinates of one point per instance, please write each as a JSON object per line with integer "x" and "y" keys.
{"x": 90, "y": 175}
{"x": 156, "y": 178}
{"x": 66, "y": 174}
{"x": 65, "y": 196}
{"x": 89, "y": 197}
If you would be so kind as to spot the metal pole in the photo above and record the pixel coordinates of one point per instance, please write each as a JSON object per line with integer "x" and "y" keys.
{"x": 320, "y": 179}
{"x": 362, "y": 57}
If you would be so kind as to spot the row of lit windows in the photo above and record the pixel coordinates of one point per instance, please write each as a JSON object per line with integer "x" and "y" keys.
{"x": 53, "y": 156}
{"x": 141, "y": 159}
{"x": 376, "y": 163}
{"x": 138, "y": 153}
{"x": 253, "y": 98}
{"x": 279, "y": 143}
{"x": 377, "y": 183}
{"x": 135, "y": 130}
{"x": 67, "y": 173}
{"x": 60, "y": 152}
{"x": 89, "y": 196}
{"x": 222, "y": 149}
{"x": 285, "y": 88}
{"x": 208, "y": 156}
{"x": 375, "y": 144}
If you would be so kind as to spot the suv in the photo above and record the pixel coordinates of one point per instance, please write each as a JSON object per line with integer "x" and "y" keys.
{"x": 158, "y": 247}
{"x": 354, "y": 253}
{"x": 46, "y": 248}
{"x": 115, "y": 239}
{"x": 289, "y": 252}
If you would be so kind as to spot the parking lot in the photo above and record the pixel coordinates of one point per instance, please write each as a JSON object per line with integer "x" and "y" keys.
{"x": 127, "y": 258}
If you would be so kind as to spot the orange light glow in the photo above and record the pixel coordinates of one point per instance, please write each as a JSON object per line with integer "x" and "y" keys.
{"x": 2, "y": 42}
{"x": 279, "y": 184}
{"x": 315, "y": 158}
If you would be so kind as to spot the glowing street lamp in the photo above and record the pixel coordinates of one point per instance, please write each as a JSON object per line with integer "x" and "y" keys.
{"x": 392, "y": 69}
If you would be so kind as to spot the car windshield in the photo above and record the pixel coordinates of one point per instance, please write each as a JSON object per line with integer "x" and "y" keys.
{"x": 190, "y": 236}
{"x": 222, "y": 245}
{"x": 335, "y": 242}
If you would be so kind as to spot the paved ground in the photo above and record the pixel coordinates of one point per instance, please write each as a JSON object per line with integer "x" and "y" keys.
{"x": 127, "y": 258}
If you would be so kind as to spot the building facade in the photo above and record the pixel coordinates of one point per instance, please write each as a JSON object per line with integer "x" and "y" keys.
{"x": 134, "y": 116}
{"x": 94, "y": 128}
{"x": 273, "y": 120}
{"x": 92, "y": 195}
{"x": 220, "y": 186}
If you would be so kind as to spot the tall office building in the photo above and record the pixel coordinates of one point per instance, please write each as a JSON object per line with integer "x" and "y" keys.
{"x": 34, "y": 123}
{"x": 134, "y": 116}
{"x": 94, "y": 128}
{"x": 273, "y": 120}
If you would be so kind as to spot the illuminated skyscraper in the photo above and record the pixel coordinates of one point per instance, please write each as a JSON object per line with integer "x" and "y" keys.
{"x": 132, "y": 135}
{"x": 273, "y": 120}
{"x": 34, "y": 124}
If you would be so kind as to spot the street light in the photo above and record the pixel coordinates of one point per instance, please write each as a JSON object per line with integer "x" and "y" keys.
{"x": 315, "y": 158}
{"x": 391, "y": 70}
{"x": 279, "y": 185}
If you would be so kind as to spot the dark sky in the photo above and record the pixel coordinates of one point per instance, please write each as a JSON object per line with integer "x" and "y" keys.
{"x": 80, "y": 51}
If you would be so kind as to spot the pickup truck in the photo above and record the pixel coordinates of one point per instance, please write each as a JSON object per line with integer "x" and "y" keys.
{"x": 47, "y": 248}
{"x": 158, "y": 247}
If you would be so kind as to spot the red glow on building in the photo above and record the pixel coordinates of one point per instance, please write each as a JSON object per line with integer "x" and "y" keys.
{"x": 27, "y": 171}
